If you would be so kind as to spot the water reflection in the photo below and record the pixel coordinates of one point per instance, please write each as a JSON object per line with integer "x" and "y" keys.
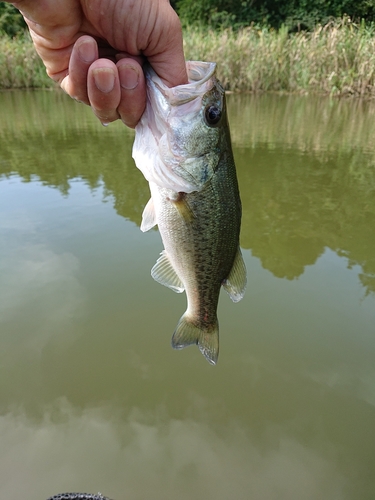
{"x": 91, "y": 395}
{"x": 297, "y": 204}
{"x": 306, "y": 170}
{"x": 183, "y": 458}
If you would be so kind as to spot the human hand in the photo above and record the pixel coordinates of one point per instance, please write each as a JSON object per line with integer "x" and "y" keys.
{"x": 95, "y": 49}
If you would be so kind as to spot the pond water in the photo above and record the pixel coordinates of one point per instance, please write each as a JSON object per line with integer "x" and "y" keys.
{"x": 92, "y": 396}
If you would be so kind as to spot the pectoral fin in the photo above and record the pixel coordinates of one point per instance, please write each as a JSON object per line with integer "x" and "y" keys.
{"x": 148, "y": 216}
{"x": 180, "y": 203}
{"x": 163, "y": 273}
{"x": 235, "y": 284}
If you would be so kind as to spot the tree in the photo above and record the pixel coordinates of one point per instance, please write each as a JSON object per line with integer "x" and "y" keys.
{"x": 11, "y": 21}
{"x": 295, "y": 14}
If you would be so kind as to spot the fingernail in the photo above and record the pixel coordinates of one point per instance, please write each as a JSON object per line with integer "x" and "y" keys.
{"x": 104, "y": 79}
{"x": 87, "y": 51}
{"x": 129, "y": 77}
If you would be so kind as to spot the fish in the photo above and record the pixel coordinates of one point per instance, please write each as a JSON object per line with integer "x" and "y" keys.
{"x": 183, "y": 148}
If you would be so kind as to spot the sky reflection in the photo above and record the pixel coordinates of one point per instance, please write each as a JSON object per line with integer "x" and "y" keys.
{"x": 168, "y": 458}
{"x": 93, "y": 398}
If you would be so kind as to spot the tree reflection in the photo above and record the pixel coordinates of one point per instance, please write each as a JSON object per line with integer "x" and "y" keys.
{"x": 307, "y": 181}
{"x": 297, "y": 204}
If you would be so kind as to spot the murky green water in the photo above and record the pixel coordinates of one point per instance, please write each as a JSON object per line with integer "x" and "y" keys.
{"x": 92, "y": 396}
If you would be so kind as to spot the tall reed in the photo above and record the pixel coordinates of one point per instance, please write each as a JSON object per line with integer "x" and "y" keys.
{"x": 20, "y": 66}
{"x": 336, "y": 59}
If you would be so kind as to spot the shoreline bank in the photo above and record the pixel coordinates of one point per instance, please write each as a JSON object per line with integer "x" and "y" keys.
{"x": 337, "y": 59}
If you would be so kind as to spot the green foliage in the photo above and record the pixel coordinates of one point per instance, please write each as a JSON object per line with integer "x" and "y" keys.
{"x": 295, "y": 14}
{"x": 11, "y": 21}
{"x": 221, "y": 13}
{"x": 20, "y": 66}
{"x": 338, "y": 59}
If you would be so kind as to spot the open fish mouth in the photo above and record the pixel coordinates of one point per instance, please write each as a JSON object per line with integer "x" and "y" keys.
{"x": 200, "y": 76}
{"x": 161, "y": 147}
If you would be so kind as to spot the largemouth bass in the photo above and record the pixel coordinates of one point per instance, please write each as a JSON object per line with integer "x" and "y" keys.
{"x": 183, "y": 148}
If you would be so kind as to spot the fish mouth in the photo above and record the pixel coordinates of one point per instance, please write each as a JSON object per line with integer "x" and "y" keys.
{"x": 165, "y": 101}
{"x": 158, "y": 151}
{"x": 201, "y": 80}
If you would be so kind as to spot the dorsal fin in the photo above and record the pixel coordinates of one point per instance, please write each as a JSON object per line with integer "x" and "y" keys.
{"x": 235, "y": 283}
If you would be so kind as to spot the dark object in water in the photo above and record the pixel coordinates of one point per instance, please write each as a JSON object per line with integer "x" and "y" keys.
{"x": 78, "y": 496}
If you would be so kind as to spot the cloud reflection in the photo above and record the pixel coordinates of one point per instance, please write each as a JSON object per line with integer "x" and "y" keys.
{"x": 43, "y": 285}
{"x": 95, "y": 449}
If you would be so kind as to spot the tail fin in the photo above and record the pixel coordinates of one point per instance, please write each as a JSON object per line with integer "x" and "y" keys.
{"x": 187, "y": 333}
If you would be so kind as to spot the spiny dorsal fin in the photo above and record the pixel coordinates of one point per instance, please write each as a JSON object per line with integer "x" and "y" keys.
{"x": 148, "y": 216}
{"x": 235, "y": 284}
{"x": 187, "y": 333}
{"x": 163, "y": 273}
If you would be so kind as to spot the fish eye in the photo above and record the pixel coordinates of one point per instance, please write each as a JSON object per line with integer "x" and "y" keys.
{"x": 212, "y": 115}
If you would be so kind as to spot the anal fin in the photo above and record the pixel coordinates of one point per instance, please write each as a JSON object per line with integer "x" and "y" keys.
{"x": 163, "y": 273}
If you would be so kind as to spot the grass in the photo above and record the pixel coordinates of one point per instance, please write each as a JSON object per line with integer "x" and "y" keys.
{"x": 336, "y": 59}
{"x": 20, "y": 66}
